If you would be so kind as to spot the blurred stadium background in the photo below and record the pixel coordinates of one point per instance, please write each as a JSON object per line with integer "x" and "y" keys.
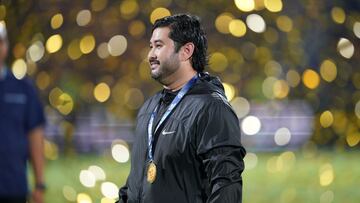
{"x": 290, "y": 70}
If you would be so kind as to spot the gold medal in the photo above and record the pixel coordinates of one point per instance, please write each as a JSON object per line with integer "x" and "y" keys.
{"x": 151, "y": 172}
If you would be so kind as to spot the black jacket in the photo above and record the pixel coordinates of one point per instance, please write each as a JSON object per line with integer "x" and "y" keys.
{"x": 199, "y": 159}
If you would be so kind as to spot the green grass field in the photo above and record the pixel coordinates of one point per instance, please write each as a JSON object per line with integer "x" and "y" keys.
{"x": 276, "y": 177}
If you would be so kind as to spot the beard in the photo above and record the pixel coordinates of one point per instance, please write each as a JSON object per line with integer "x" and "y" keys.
{"x": 165, "y": 68}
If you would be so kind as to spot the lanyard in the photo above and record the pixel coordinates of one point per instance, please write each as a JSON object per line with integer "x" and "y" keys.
{"x": 173, "y": 104}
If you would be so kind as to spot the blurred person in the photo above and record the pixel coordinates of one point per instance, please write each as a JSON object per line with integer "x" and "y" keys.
{"x": 21, "y": 133}
{"x": 187, "y": 144}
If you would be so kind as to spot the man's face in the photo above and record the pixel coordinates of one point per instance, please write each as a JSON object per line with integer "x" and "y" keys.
{"x": 162, "y": 57}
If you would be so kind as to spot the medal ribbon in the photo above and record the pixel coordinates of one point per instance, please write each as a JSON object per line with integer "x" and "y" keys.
{"x": 173, "y": 104}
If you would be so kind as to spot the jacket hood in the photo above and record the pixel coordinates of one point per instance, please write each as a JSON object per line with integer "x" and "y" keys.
{"x": 206, "y": 84}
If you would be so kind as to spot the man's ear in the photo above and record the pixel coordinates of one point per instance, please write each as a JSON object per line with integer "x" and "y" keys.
{"x": 187, "y": 51}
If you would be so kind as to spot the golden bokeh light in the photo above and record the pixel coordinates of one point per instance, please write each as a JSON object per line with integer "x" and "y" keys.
{"x": 311, "y": 79}
{"x": 353, "y": 139}
{"x": 281, "y": 89}
{"x": 284, "y": 23}
{"x": 293, "y": 78}
{"x": 87, "y": 44}
{"x": 43, "y": 80}
{"x": 56, "y": 21}
{"x": 54, "y": 43}
{"x": 245, "y": 5}
{"x": 73, "y": 49}
{"x": 137, "y": 28}
{"x": 229, "y": 91}
{"x": 273, "y": 5}
{"x": 159, "y": 13}
{"x": 83, "y": 198}
{"x": 326, "y": 174}
{"x": 66, "y": 104}
{"x": 237, "y": 28}
{"x": 328, "y": 70}
{"x": 98, "y": 5}
{"x": 326, "y": 119}
{"x": 102, "y": 92}
{"x": 222, "y": 22}
{"x": 129, "y": 9}
{"x": 218, "y": 62}
{"x": 271, "y": 35}
{"x": 338, "y": 15}
{"x": 50, "y": 150}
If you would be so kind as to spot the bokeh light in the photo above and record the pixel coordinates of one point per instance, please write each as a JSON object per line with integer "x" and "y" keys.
{"x": 109, "y": 190}
{"x": 129, "y": 9}
{"x": 222, "y": 22}
{"x": 338, "y": 15}
{"x": 245, "y": 5}
{"x": 326, "y": 119}
{"x": 241, "y": 106}
{"x": 218, "y": 62}
{"x": 311, "y": 79}
{"x": 19, "y": 68}
{"x": 36, "y": 51}
{"x": 328, "y": 70}
{"x": 83, "y": 17}
{"x": 251, "y": 125}
{"x": 159, "y": 13}
{"x": 83, "y": 198}
{"x": 345, "y": 48}
{"x": 102, "y": 92}
{"x": 54, "y": 43}
{"x": 56, "y": 21}
{"x": 117, "y": 45}
{"x": 229, "y": 91}
{"x": 326, "y": 174}
{"x": 273, "y": 5}
{"x": 98, "y": 172}
{"x": 120, "y": 152}
{"x": 250, "y": 161}
{"x": 237, "y": 28}
{"x": 282, "y": 136}
{"x": 69, "y": 193}
{"x": 255, "y": 23}
{"x": 87, "y": 178}
{"x": 87, "y": 43}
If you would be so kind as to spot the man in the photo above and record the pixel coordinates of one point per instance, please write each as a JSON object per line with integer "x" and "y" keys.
{"x": 21, "y": 134}
{"x": 187, "y": 146}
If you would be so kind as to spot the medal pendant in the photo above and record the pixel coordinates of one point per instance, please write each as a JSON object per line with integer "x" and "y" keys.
{"x": 151, "y": 172}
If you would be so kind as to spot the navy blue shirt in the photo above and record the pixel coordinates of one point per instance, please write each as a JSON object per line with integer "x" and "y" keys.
{"x": 20, "y": 112}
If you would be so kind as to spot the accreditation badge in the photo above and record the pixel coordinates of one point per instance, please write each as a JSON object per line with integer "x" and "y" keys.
{"x": 151, "y": 172}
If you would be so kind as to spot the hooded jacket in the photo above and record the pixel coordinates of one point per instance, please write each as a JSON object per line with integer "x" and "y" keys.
{"x": 197, "y": 151}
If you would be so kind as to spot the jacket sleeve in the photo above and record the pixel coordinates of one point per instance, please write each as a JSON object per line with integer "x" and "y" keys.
{"x": 220, "y": 150}
{"x": 123, "y": 194}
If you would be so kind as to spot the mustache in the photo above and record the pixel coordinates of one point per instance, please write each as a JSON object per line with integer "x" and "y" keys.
{"x": 153, "y": 61}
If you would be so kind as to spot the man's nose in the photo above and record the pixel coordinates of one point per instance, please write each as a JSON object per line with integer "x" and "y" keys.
{"x": 151, "y": 54}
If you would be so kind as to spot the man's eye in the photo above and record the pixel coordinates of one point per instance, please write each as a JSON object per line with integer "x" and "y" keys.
{"x": 158, "y": 46}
